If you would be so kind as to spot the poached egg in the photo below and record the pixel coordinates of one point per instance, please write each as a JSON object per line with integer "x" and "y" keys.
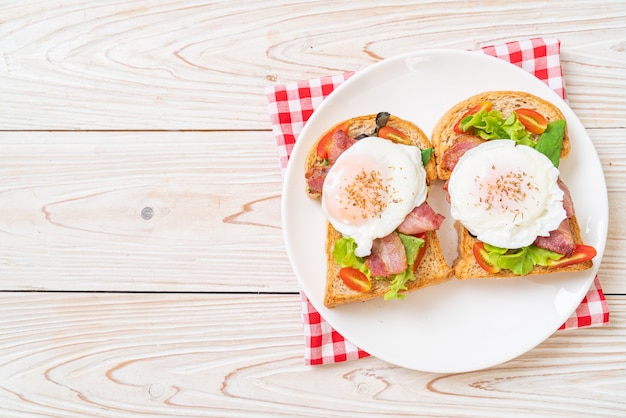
{"x": 371, "y": 188}
{"x": 506, "y": 194}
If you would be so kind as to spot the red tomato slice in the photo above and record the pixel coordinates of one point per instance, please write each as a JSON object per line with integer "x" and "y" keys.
{"x": 533, "y": 121}
{"x": 481, "y": 106}
{"x": 480, "y": 254}
{"x": 393, "y": 134}
{"x": 581, "y": 254}
{"x": 322, "y": 145}
{"x": 355, "y": 279}
{"x": 421, "y": 252}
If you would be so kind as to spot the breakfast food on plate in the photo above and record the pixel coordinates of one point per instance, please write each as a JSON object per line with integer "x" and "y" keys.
{"x": 372, "y": 175}
{"x": 515, "y": 115}
{"x": 499, "y": 152}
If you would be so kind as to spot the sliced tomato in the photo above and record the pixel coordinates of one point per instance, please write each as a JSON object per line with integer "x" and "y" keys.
{"x": 533, "y": 121}
{"x": 322, "y": 145}
{"x": 481, "y": 106}
{"x": 581, "y": 254}
{"x": 393, "y": 134}
{"x": 355, "y": 279}
{"x": 421, "y": 252}
{"x": 480, "y": 254}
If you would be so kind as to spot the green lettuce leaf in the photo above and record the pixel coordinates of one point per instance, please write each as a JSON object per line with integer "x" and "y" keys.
{"x": 541, "y": 256}
{"x": 490, "y": 248}
{"x": 550, "y": 142}
{"x": 343, "y": 253}
{"x": 516, "y": 131}
{"x": 398, "y": 283}
{"x": 491, "y": 125}
{"x": 426, "y": 153}
{"x": 520, "y": 261}
{"x": 412, "y": 246}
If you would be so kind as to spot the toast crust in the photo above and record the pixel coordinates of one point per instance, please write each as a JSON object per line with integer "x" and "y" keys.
{"x": 466, "y": 267}
{"x": 433, "y": 268}
{"x": 505, "y": 101}
{"x": 367, "y": 124}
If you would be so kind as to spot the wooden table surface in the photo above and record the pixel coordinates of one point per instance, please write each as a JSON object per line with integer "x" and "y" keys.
{"x": 142, "y": 266}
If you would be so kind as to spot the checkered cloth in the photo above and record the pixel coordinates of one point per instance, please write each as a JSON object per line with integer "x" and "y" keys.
{"x": 291, "y": 105}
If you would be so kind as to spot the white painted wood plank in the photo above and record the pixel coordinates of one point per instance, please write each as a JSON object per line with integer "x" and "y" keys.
{"x": 612, "y": 152}
{"x": 204, "y": 65}
{"x": 117, "y": 355}
{"x": 71, "y": 206}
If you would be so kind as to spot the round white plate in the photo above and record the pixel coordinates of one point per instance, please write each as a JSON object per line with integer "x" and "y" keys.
{"x": 459, "y": 325}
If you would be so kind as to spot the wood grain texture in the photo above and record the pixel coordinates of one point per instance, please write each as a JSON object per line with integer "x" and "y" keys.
{"x": 136, "y": 156}
{"x": 71, "y": 205}
{"x": 611, "y": 150}
{"x": 204, "y": 65}
{"x": 103, "y": 355}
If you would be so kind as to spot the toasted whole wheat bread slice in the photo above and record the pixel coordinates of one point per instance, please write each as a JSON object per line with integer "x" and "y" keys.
{"x": 444, "y": 137}
{"x": 432, "y": 269}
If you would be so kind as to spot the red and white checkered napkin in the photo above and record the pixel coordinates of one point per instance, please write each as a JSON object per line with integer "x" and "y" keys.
{"x": 291, "y": 105}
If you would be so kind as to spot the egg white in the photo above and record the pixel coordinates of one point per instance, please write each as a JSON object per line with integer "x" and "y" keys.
{"x": 506, "y": 194}
{"x": 371, "y": 188}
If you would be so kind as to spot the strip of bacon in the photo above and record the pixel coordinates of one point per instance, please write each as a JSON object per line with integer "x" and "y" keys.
{"x": 388, "y": 256}
{"x": 452, "y": 155}
{"x": 315, "y": 177}
{"x": 568, "y": 203}
{"x": 338, "y": 144}
{"x": 421, "y": 219}
{"x": 561, "y": 240}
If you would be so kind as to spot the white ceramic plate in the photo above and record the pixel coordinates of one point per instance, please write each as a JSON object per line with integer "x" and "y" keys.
{"x": 460, "y": 325}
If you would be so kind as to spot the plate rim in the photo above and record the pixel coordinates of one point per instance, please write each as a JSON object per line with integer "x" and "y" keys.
{"x": 363, "y": 74}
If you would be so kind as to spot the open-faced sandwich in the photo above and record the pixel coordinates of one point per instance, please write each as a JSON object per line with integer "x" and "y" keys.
{"x": 372, "y": 175}
{"x": 499, "y": 152}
